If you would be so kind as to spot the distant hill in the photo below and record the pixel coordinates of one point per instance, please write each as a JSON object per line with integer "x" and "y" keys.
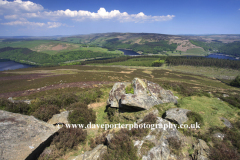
{"x": 185, "y": 43}
{"x": 72, "y": 49}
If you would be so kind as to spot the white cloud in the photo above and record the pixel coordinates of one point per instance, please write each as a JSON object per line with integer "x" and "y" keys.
{"x": 17, "y": 6}
{"x": 54, "y": 24}
{"x": 24, "y": 22}
{"x": 11, "y": 16}
{"x": 100, "y": 15}
{"x": 21, "y": 11}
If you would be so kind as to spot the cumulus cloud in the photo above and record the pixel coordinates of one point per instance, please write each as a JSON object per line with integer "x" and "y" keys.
{"x": 18, "y": 6}
{"x": 21, "y": 11}
{"x": 24, "y": 22}
{"x": 101, "y": 14}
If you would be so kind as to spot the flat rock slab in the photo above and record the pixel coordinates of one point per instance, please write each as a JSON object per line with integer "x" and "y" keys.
{"x": 20, "y": 135}
{"x": 138, "y": 102}
{"x": 178, "y": 115}
{"x": 226, "y": 122}
{"x": 59, "y": 118}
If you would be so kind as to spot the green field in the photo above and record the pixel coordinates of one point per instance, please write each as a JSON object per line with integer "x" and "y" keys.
{"x": 197, "y": 51}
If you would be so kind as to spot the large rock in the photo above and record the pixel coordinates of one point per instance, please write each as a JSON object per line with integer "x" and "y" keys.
{"x": 115, "y": 94}
{"x": 94, "y": 154}
{"x": 138, "y": 102}
{"x": 22, "y": 137}
{"x": 146, "y": 95}
{"x": 59, "y": 118}
{"x": 177, "y": 115}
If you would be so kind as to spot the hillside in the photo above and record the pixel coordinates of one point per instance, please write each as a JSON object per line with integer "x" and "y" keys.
{"x": 25, "y": 55}
{"x": 72, "y": 50}
{"x": 210, "y": 43}
{"x": 85, "y": 89}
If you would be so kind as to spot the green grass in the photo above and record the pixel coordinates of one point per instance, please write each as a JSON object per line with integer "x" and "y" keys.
{"x": 211, "y": 109}
{"x": 197, "y": 51}
{"x": 101, "y": 117}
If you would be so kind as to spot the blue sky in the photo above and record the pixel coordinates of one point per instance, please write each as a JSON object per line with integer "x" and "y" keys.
{"x": 71, "y": 17}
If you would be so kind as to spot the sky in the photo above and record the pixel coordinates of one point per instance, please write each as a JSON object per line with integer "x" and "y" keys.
{"x": 73, "y": 17}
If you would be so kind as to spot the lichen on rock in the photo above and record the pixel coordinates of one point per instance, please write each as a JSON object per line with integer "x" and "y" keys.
{"x": 146, "y": 95}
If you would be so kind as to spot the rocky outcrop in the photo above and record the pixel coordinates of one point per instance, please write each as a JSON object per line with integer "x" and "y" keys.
{"x": 177, "y": 115}
{"x": 94, "y": 154}
{"x": 201, "y": 150}
{"x": 159, "y": 136}
{"x": 59, "y": 118}
{"x": 115, "y": 94}
{"x": 21, "y": 136}
{"x": 146, "y": 95}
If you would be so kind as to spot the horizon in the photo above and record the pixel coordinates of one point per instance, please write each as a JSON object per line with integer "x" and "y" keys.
{"x": 39, "y": 18}
{"x": 119, "y": 33}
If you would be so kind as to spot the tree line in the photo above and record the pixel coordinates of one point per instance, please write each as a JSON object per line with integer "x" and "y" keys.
{"x": 175, "y": 61}
{"x": 117, "y": 59}
{"x": 202, "y": 61}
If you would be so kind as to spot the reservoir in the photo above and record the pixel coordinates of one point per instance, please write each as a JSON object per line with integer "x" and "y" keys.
{"x": 129, "y": 52}
{"x": 213, "y": 55}
{"x": 220, "y": 56}
{"x": 11, "y": 65}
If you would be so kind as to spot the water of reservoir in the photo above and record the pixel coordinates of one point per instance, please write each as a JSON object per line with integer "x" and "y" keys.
{"x": 129, "y": 52}
{"x": 220, "y": 56}
{"x": 11, "y": 65}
